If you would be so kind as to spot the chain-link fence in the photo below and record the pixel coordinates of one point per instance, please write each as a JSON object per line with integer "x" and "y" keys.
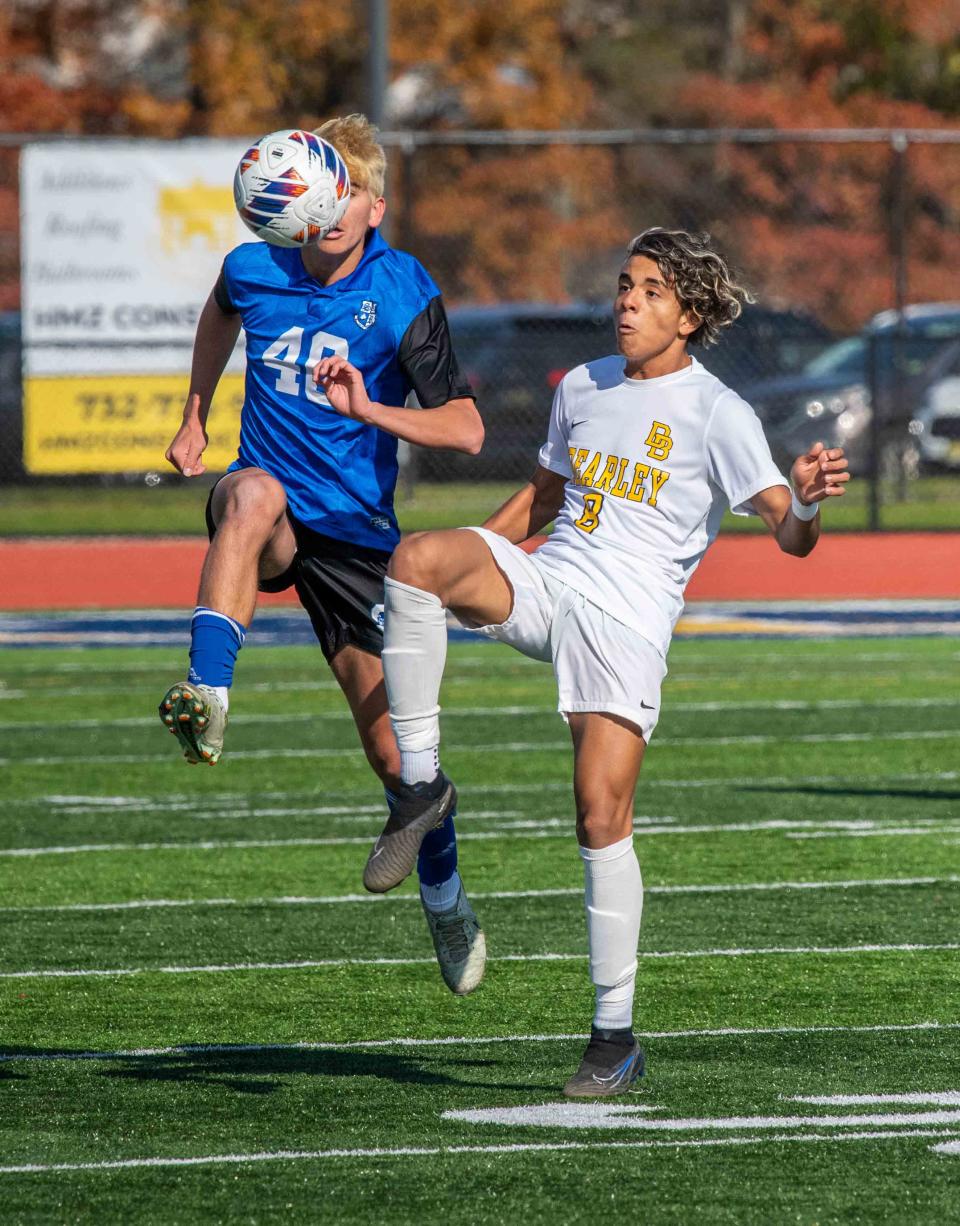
{"x": 850, "y": 242}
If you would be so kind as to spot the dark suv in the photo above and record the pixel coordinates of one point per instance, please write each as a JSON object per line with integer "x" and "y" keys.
{"x": 516, "y": 354}
{"x": 831, "y": 399}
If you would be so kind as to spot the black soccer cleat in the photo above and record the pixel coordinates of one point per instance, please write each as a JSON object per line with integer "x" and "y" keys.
{"x": 419, "y": 808}
{"x": 611, "y": 1064}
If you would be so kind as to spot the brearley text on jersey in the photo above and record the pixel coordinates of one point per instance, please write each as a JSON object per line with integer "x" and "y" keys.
{"x": 614, "y": 474}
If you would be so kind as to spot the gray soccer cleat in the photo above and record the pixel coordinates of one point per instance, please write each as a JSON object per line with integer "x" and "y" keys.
{"x": 418, "y": 809}
{"x": 195, "y": 715}
{"x": 611, "y": 1064}
{"x": 460, "y": 945}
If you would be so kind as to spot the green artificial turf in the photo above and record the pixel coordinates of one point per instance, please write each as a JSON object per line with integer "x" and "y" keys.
{"x": 268, "y": 993}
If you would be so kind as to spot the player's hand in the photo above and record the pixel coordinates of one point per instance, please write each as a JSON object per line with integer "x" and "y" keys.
{"x": 185, "y": 453}
{"x": 821, "y": 473}
{"x": 343, "y": 386}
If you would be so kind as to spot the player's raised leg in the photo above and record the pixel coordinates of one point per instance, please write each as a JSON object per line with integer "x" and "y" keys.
{"x": 252, "y": 543}
{"x": 608, "y": 752}
{"x": 429, "y": 572}
{"x": 454, "y": 928}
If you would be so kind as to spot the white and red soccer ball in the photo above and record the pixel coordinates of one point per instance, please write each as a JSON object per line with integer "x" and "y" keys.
{"x": 291, "y": 187}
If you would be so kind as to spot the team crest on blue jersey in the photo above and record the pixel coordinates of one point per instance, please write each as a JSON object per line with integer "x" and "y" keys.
{"x": 366, "y": 317}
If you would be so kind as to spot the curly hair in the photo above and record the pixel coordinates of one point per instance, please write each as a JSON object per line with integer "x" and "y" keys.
{"x": 699, "y": 276}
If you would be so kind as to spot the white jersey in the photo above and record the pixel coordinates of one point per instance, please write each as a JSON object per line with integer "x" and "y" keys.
{"x": 652, "y": 465}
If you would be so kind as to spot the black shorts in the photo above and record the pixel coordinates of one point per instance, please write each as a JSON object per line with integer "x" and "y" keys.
{"x": 339, "y": 584}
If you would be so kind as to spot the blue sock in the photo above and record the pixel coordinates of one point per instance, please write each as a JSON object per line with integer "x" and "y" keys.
{"x": 215, "y": 640}
{"x": 437, "y": 861}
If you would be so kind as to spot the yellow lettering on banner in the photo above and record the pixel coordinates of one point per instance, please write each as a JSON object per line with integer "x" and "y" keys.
{"x": 587, "y": 476}
{"x": 608, "y": 474}
{"x": 621, "y": 486}
{"x": 658, "y": 479}
{"x": 640, "y": 473}
{"x": 659, "y": 441}
{"x": 119, "y": 423}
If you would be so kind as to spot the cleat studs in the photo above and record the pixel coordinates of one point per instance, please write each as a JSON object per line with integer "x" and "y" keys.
{"x": 202, "y": 721}
{"x": 197, "y": 708}
{"x": 167, "y": 704}
{"x": 168, "y": 719}
{"x": 185, "y": 718}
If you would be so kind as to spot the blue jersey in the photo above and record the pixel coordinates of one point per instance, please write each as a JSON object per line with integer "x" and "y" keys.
{"x": 339, "y": 474}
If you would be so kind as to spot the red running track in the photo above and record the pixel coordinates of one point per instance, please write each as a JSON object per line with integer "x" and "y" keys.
{"x": 120, "y": 572}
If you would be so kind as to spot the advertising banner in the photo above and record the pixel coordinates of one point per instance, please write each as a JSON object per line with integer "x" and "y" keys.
{"x": 122, "y": 243}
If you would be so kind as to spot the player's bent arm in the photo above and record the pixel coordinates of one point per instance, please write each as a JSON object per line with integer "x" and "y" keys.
{"x": 794, "y": 536}
{"x": 216, "y": 337}
{"x": 531, "y": 508}
{"x": 448, "y": 418}
{"x": 794, "y": 519}
{"x": 456, "y": 425}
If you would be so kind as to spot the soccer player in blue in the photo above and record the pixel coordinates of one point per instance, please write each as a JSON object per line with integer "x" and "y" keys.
{"x": 308, "y": 502}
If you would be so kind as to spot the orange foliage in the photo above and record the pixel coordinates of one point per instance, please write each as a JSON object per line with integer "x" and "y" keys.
{"x": 817, "y": 219}
{"x": 809, "y": 224}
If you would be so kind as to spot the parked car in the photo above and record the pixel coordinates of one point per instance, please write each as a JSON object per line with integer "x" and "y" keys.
{"x": 936, "y": 425}
{"x": 831, "y": 399}
{"x": 514, "y": 356}
{"x": 517, "y": 353}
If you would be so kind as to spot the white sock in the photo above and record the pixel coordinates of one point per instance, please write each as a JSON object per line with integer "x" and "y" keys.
{"x": 441, "y": 897}
{"x": 613, "y": 893}
{"x": 223, "y": 693}
{"x": 419, "y": 765}
{"x": 414, "y": 653}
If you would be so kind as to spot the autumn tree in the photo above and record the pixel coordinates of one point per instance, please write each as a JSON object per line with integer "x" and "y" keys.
{"x": 818, "y": 218}
{"x": 809, "y": 223}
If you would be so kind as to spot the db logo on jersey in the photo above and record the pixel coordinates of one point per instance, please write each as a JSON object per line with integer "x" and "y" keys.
{"x": 366, "y": 317}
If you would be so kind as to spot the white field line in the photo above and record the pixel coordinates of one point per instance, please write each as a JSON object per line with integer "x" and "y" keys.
{"x": 544, "y": 709}
{"x": 345, "y": 814}
{"x": 541, "y": 828}
{"x": 610, "y": 1116}
{"x": 720, "y": 1032}
{"x": 146, "y": 904}
{"x": 708, "y": 674}
{"x": 335, "y": 963}
{"x": 763, "y": 781}
{"x": 508, "y": 662}
{"x": 888, "y": 832}
{"x": 686, "y": 653}
{"x": 124, "y": 806}
{"x": 263, "y": 687}
{"x": 481, "y": 656}
{"x": 934, "y": 1098}
{"x": 948, "y": 1146}
{"x": 248, "y": 755}
{"x": 229, "y": 799}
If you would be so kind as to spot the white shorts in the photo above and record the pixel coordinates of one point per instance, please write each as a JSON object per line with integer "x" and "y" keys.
{"x": 599, "y": 663}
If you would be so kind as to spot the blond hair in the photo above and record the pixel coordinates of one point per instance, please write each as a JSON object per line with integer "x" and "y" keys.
{"x": 355, "y": 139}
{"x": 698, "y": 276}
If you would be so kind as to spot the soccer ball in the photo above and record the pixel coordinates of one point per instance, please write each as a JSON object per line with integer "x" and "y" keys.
{"x": 291, "y": 187}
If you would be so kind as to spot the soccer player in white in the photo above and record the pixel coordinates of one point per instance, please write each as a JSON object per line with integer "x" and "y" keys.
{"x": 645, "y": 451}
